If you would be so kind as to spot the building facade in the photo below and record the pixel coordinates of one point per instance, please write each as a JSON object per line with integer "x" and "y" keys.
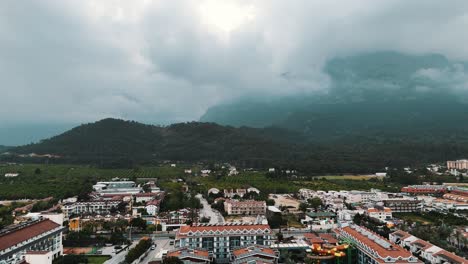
{"x": 100, "y": 207}
{"x": 403, "y": 205}
{"x": 221, "y": 240}
{"x": 383, "y": 214}
{"x": 457, "y": 164}
{"x": 424, "y": 250}
{"x": 424, "y": 189}
{"x": 248, "y": 207}
{"x": 42, "y": 235}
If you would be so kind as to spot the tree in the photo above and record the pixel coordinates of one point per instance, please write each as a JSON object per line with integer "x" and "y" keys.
{"x": 146, "y": 188}
{"x": 158, "y": 227}
{"x": 279, "y": 236}
{"x": 37, "y": 171}
{"x": 315, "y": 202}
{"x": 138, "y": 223}
{"x": 270, "y": 202}
{"x": 303, "y": 207}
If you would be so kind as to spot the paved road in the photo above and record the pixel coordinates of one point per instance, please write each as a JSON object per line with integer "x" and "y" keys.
{"x": 162, "y": 244}
{"x": 207, "y": 211}
{"x": 119, "y": 258}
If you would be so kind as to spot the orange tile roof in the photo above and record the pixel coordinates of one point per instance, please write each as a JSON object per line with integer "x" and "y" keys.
{"x": 421, "y": 243}
{"x": 17, "y": 236}
{"x": 253, "y": 249}
{"x": 330, "y": 238}
{"x": 201, "y": 228}
{"x": 394, "y": 251}
{"x": 198, "y": 252}
{"x": 313, "y": 238}
{"x": 450, "y": 256}
{"x": 401, "y": 234}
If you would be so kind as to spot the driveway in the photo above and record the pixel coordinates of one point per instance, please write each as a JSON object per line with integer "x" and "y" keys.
{"x": 207, "y": 211}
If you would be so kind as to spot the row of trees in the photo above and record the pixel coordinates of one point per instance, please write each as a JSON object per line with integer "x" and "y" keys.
{"x": 138, "y": 250}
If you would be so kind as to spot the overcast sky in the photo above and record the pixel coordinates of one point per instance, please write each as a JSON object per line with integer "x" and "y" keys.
{"x": 168, "y": 61}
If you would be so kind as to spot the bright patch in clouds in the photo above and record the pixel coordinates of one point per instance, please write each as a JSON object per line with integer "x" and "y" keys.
{"x": 164, "y": 61}
{"x": 225, "y": 15}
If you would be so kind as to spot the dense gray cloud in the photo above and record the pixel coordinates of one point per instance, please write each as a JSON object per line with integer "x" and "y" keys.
{"x": 165, "y": 61}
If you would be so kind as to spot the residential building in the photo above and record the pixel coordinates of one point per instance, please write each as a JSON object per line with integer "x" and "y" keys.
{"x": 145, "y": 197}
{"x": 381, "y": 213}
{"x": 403, "y": 205}
{"x": 373, "y": 248}
{"x": 247, "y": 207}
{"x": 424, "y": 189}
{"x": 447, "y": 204}
{"x": 221, "y": 240}
{"x": 11, "y": 175}
{"x": 40, "y": 235}
{"x": 353, "y": 197}
{"x": 152, "y": 207}
{"x": 319, "y": 220}
{"x": 457, "y": 164}
{"x": 254, "y": 254}
{"x": 426, "y": 251}
{"x": 459, "y": 191}
{"x": 191, "y": 255}
{"x": 231, "y": 193}
{"x": 100, "y": 207}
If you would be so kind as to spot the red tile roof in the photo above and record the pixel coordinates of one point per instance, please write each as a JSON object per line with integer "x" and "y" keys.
{"x": 184, "y": 230}
{"x": 313, "y": 238}
{"x": 393, "y": 251}
{"x": 329, "y": 238}
{"x": 401, "y": 234}
{"x": 450, "y": 256}
{"x": 421, "y": 243}
{"x": 201, "y": 228}
{"x": 254, "y": 250}
{"x": 12, "y": 238}
{"x": 197, "y": 253}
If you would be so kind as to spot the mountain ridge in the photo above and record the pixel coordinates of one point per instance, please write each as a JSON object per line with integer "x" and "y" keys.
{"x": 119, "y": 143}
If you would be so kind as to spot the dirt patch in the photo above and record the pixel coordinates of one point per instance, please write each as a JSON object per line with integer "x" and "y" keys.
{"x": 77, "y": 250}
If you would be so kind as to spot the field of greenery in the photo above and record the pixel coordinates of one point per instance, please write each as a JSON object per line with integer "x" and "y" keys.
{"x": 39, "y": 180}
{"x": 60, "y": 181}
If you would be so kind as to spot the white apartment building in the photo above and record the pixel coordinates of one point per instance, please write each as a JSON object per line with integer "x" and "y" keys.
{"x": 100, "y": 207}
{"x": 457, "y": 164}
{"x": 427, "y": 251}
{"x": 383, "y": 214}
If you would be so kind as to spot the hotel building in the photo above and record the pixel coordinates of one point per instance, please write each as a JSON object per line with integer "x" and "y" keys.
{"x": 424, "y": 250}
{"x": 221, "y": 240}
{"x": 372, "y": 248}
{"x": 42, "y": 236}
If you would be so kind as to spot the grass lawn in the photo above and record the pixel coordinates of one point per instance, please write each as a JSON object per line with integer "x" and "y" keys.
{"x": 413, "y": 217}
{"x": 292, "y": 221}
{"x": 97, "y": 259}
